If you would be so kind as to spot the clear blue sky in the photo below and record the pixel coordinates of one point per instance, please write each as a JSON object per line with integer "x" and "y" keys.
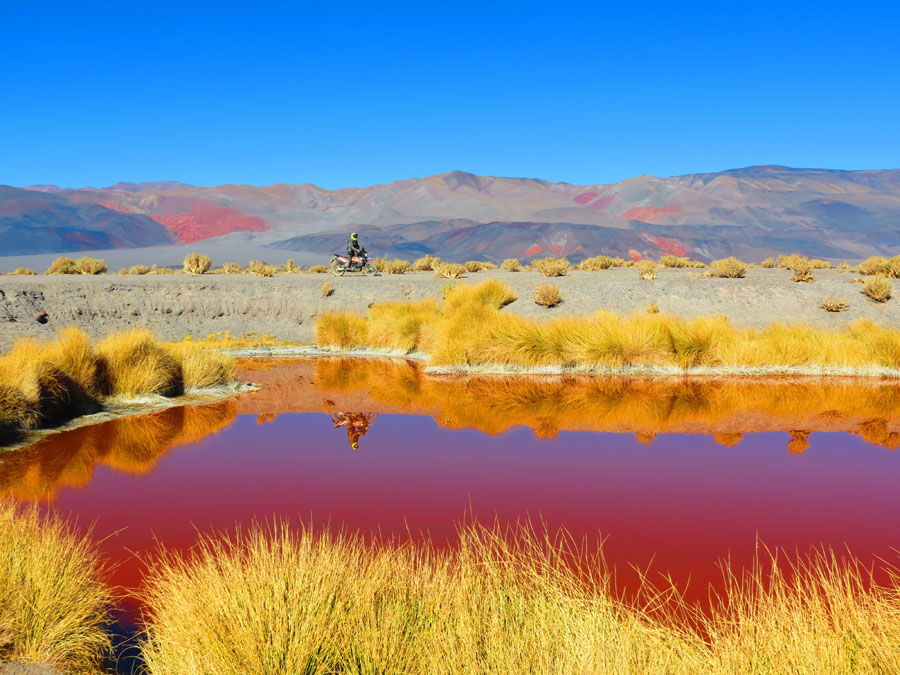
{"x": 351, "y": 94}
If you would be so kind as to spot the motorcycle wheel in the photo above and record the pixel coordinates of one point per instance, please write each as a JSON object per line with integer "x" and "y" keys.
{"x": 371, "y": 268}
{"x": 336, "y": 268}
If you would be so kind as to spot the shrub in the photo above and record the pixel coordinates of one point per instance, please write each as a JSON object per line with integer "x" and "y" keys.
{"x": 675, "y": 261}
{"x": 231, "y": 268}
{"x": 24, "y": 271}
{"x": 547, "y": 295}
{"x": 878, "y": 288}
{"x": 874, "y": 265}
{"x": 403, "y": 326}
{"x": 652, "y": 308}
{"x": 788, "y": 262}
{"x": 63, "y": 266}
{"x": 647, "y": 269}
{"x": 552, "y": 267}
{"x": 802, "y": 270}
{"x": 817, "y": 264}
{"x": 161, "y": 270}
{"x": 90, "y": 266}
{"x": 135, "y": 363}
{"x": 493, "y": 293}
{"x": 317, "y": 269}
{"x": 595, "y": 264}
{"x": 397, "y": 266}
{"x": 449, "y": 270}
{"x": 201, "y": 366}
{"x": 326, "y": 290}
{"x": 729, "y": 268}
{"x": 342, "y": 330}
{"x": 195, "y": 263}
{"x": 266, "y": 271}
{"x": 511, "y": 265}
{"x": 138, "y": 269}
{"x": 289, "y": 267}
{"x": 834, "y": 305}
{"x": 54, "y": 601}
{"x": 427, "y": 263}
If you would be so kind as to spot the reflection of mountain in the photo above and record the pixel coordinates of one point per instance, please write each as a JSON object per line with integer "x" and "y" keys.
{"x": 752, "y": 212}
{"x": 129, "y": 444}
{"x": 726, "y": 408}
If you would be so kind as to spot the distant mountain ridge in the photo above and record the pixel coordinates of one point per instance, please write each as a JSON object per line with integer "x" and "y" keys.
{"x": 752, "y": 212}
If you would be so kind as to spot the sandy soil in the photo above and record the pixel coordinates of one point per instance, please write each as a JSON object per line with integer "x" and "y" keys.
{"x": 286, "y": 306}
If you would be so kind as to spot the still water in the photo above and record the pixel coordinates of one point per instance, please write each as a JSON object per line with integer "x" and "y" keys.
{"x": 673, "y": 474}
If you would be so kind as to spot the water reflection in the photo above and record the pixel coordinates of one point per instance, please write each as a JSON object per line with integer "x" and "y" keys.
{"x": 357, "y": 425}
{"x": 129, "y": 444}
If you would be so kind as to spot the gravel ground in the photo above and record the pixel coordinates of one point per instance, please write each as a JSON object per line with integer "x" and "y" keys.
{"x": 287, "y": 305}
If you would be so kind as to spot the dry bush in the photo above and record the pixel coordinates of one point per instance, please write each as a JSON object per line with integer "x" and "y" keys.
{"x": 652, "y": 308}
{"x": 289, "y": 267}
{"x": 675, "y": 261}
{"x": 327, "y": 289}
{"x": 63, "y": 266}
{"x": 231, "y": 268}
{"x": 427, "y": 263}
{"x": 317, "y": 269}
{"x": 491, "y": 293}
{"x": 802, "y": 270}
{"x": 621, "y": 262}
{"x": 817, "y": 264}
{"x": 834, "y": 304}
{"x": 874, "y": 265}
{"x": 90, "y": 266}
{"x": 647, "y": 269}
{"x": 161, "y": 270}
{"x": 547, "y": 295}
{"x": 769, "y": 263}
{"x": 138, "y": 269}
{"x": 266, "y": 271}
{"x": 596, "y": 263}
{"x": 54, "y": 599}
{"x": 878, "y": 288}
{"x": 134, "y": 363}
{"x": 449, "y": 270}
{"x": 551, "y": 267}
{"x": 342, "y": 330}
{"x": 403, "y": 326}
{"x": 202, "y": 366}
{"x": 729, "y": 268}
{"x": 788, "y": 262}
{"x": 24, "y": 271}
{"x": 398, "y": 266}
{"x": 195, "y": 263}
{"x": 511, "y": 265}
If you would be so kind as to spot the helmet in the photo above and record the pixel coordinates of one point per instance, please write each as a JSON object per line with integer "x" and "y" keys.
{"x": 353, "y": 236}
{"x": 355, "y": 446}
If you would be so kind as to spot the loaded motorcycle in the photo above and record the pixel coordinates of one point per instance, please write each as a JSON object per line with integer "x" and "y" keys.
{"x": 341, "y": 262}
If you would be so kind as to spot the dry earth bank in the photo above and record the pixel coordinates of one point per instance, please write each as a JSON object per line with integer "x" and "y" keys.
{"x": 286, "y": 306}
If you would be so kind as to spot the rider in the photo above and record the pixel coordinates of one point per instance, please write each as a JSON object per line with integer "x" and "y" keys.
{"x": 353, "y": 247}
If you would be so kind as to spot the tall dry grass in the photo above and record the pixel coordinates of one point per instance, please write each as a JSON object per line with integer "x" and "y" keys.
{"x": 469, "y": 329}
{"x": 53, "y": 599}
{"x": 276, "y": 600}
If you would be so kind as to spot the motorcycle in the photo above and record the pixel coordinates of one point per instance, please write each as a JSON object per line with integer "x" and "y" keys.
{"x": 340, "y": 263}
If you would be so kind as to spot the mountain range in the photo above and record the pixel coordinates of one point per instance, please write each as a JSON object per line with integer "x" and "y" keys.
{"x": 752, "y": 213}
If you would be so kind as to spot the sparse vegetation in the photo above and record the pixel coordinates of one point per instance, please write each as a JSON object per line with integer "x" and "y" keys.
{"x": 138, "y": 269}
{"x": 194, "y": 263}
{"x": 878, "y": 288}
{"x": 317, "y": 269}
{"x": 511, "y": 265}
{"x": 427, "y": 263}
{"x": 652, "y": 308}
{"x": 289, "y": 267}
{"x": 63, "y": 266}
{"x": 342, "y": 330}
{"x": 53, "y": 595}
{"x": 802, "y": 270}
{"x": 595, "y": 264}
{"x": 834, "y": 304}
{"x": 266, "y": 271}
{"x": 729, "y": 268}
{"x": 397, "y": 266}
{"x": 551, "y": 267}
{"x": 769, "y": 263}
{"x": 161, "y": 270}
{"x": 679, "y": 261}
{"x": 231, "y": 268}
{"x": 327, "y": 290}
{"x": 547, "y": 295}
{"x": 90, "y": 266}
{"x": 449, "y": 270}
{"x": 24, "y": 271}
{"x": 647, "y": 269}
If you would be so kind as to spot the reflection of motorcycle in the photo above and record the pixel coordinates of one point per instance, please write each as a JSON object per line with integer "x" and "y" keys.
{"x": 341, "y": 263}
{"x": 357, "y": 425}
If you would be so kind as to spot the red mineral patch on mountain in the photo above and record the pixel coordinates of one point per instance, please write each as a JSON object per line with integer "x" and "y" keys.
{"x": 668, "y": 244}
{"x": 602, "y": 203}
{"x": 534, "y": 250}
{"x": 584, "y": 197}
{"x": 635, "y": 255}
{"x": 115, "y": 206}
{"x": 649, "y": 214}
{"x": 206, "y": 219}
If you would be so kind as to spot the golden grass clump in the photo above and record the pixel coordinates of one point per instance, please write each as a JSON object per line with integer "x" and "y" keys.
{"x": 652, "y": 308}
{"x": 492, "y": 293}
{"x": 768, "y": 263}
{"x": 403, "y": 326}
{"x": 135, "y": 363}
{"x": 595, "y": 263}
{"x": 511, "y": 265}
{"x": 551, "y": 267}
{"x": 729, "y": 268}
{"x": 802, "y": 270}
{"x": 231, "y": 268}
{"x": 194, "y": 263}
{"x": 449, "y": 270}
{"x": 397, "y": 266}
{"x": 875, "y": 264}
{"x": 90, "y": 266}
{"x": 266, "y": 271}
{"x": 161, "y": 270}
{"x": 473, "y": 266}
{"x": 201, "y": 366}
{"x": 547, "y": 295}
{"x": 878, "y": 288}
{"x": 289, "y": 267}
{"x": 138, "y": 269}
{"x": 53, "y": 596}
{"x": 24, "y": 271}
{"x": 647, "y": 269}
{"x": 327, "y": 290}
{"x": 675, "y": 261}
{"x": 427, "y": 263}
{"x": 63, "y": 266}
{"x": 341, "y": 330}
{"x": 830, "y": 304}
{"x": 317, "y": 269}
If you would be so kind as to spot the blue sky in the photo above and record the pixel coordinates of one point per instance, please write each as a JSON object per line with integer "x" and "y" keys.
{"x": 351, "y": 94}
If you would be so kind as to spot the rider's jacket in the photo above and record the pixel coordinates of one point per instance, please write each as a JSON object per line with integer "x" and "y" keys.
{"x": 353, "y": 247}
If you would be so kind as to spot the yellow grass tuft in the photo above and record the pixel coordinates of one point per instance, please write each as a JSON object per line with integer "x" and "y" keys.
{"x": 449, "y": 270}
{"x": 201, "y": 366}
{"x": 595, "y": 264}
{"x": 647, "y": 269}
{"x": 397, "y": 266}
{"x": 768, "y": 263}
{"x": 878, "y": 289}
{"x": 547, "y": 295}
{"x": 90, "y": 266}
{"x": 135, "y": 363}
{"x": 138, "y": 269}
{"x": 830, "y": 304}
{"x": 551, "y": 267}
{"x": 317, "y": 269}
{"x": 194, "y": 263}
{"x": 511, "y": 265}
{"x": 231, "y": 268}
{"x": 729, "y": 268}
{"x": 327, "y": 289}
{"x": 24, "y": 271}
{"x": 403, "y": 326}
{"x": 652, "y": 308}
{"x": 53, "y": 599}
{"x": 802, "y": 270}
{"x": 427, "y": 263}
{"x": 63, "y": 266}
{"x": 342, "y": 330}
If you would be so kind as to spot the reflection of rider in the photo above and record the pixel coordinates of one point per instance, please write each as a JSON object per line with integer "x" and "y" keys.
{"x": 353, "y": 247}
{"x": 357, "y": 425}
